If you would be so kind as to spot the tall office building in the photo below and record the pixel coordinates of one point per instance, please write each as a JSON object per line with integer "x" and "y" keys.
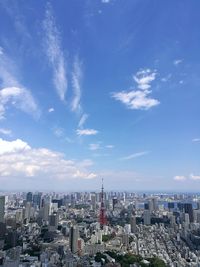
{"x": 133, "y": 224}
{"x": 46, "y": 211}
{"x": 147, "y": 217}
{"x": 73, "y": 239}
{"x": 170, "y": 205}
{"x": 53, "y": 222}
{"x": 37, "y": 200}
{"x": 152, "y": 204}
{"x": 2, "y": 208}
{"x": 93, "y": 201}
{"x": 114, "y": 202}
{"x": 29, "y": 197}
{"x": 27, "y": 215}
{"x": 188, "y": 209}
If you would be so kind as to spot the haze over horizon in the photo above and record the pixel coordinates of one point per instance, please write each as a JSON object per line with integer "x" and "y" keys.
{"x": 103, "y": 88}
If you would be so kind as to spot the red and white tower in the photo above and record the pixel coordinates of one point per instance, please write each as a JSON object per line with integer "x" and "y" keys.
{"x": 102, "y": 214}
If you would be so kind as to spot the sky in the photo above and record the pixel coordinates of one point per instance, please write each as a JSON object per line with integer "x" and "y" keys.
{"x": 100, "y": 89}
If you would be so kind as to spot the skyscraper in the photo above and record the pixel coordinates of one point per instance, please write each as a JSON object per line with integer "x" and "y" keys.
{"x": 147, "y": 217}
{"x": 2, "y": 208}
{"x": 133, "y": 224}
{"x": 188, "y": 209}
{"x": 29, "y": 197}
{"x": 73, "y": 238}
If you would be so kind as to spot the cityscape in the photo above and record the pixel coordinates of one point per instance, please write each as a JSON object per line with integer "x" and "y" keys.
{"x": 99, "y": 133}
{"x": 99, "y": 229}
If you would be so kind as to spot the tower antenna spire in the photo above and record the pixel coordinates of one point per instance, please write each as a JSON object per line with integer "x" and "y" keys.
{"x": 102, "y": 215}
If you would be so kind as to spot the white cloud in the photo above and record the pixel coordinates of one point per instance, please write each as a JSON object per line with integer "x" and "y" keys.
{"x": 86, "y": 132}
{"x": 86, "y": 163}
{"x": 136, "y": 99}
{"x": 16, "y": 146}
{"x": 166, "y": 78}
{"x": 196, "y": 140}
{"x": 19, "y": 20}
{"x": 194, "y": 177}
{"x": 135, "y": 155}
{"x": 20, "y": 98}
{"x": 12, "y": 92}
{"x": 1, "y": 50}
{"x": 179, "y": 178}
{"x": 94, "y": 146}
{"x": 144, "y": 78}
{"x": 109, "y": 146}
{"x": 51, "y": 110}
{"x": 18, "y": 159}
{"x": 82, "y": 120}
{"x": 5, "y": 131}
{"x": 76, "y": 84}
{"x": 105, "y": 1}
{"x": 54, "y": 53}
{"x": 177, "y": 62}
{"x": 139, "y": 99}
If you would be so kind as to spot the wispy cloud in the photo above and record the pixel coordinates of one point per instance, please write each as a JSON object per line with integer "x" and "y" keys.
{"x": 58, "y": 132}
{"x": 52, "y": 48}
{"x": 76, "y": 84}
{"x": 189, "y": 177}
{"x": 5, "y": 131}
{"x": 21, "y": 98}
{"x": 13, "y": 92}
{"x": 14, "y": 10}
{"x": 105, "y": 1}
{"x": 1, "y": 50}
{"x": 109, "y": 146}
{"x": 196, "y": 140}
{"x": 194, "y": 177}
{"x": 50, "y": 110}
{"x": 166, "y": 78}
{"x": 179, "y": 178}
{"x": 177, "y": 62}
{"x": 81, "y": 132}
{"x": 83, "y": 120}
{"x": 136, "y": 155}
{"x": 144, "y": 78}
{"x": 139, "y": 99}
{"x": 94, "y": 147}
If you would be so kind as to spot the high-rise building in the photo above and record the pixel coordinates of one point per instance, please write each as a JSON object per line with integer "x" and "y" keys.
{"x": 188, "y": 209}
{"x": 27, "y": 211}
{"x": 180, "y": 206}
{"x": 73, "y": 238}
{"x": 2, "y": 208}
{"x": 37, "y": 200}
{"x": 93, "y": 201}
{"x": 147, "y": 217}
{"x": 170, "y": 205}
{"x": 153, "y": 204}
{"x": 29, "y": 197}
{"x": 46, "y": 211}
{"x": 150, "y": 204}
{"x": 114, "y": 202}
{"x": 133, "y": 224}
{"x": 53, "y": 222}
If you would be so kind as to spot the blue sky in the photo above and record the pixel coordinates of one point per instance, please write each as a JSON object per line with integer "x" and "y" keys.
{"x": 100, "y": 88}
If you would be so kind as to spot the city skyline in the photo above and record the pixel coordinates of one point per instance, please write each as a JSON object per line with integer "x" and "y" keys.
{"x": 104, "y": 88}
